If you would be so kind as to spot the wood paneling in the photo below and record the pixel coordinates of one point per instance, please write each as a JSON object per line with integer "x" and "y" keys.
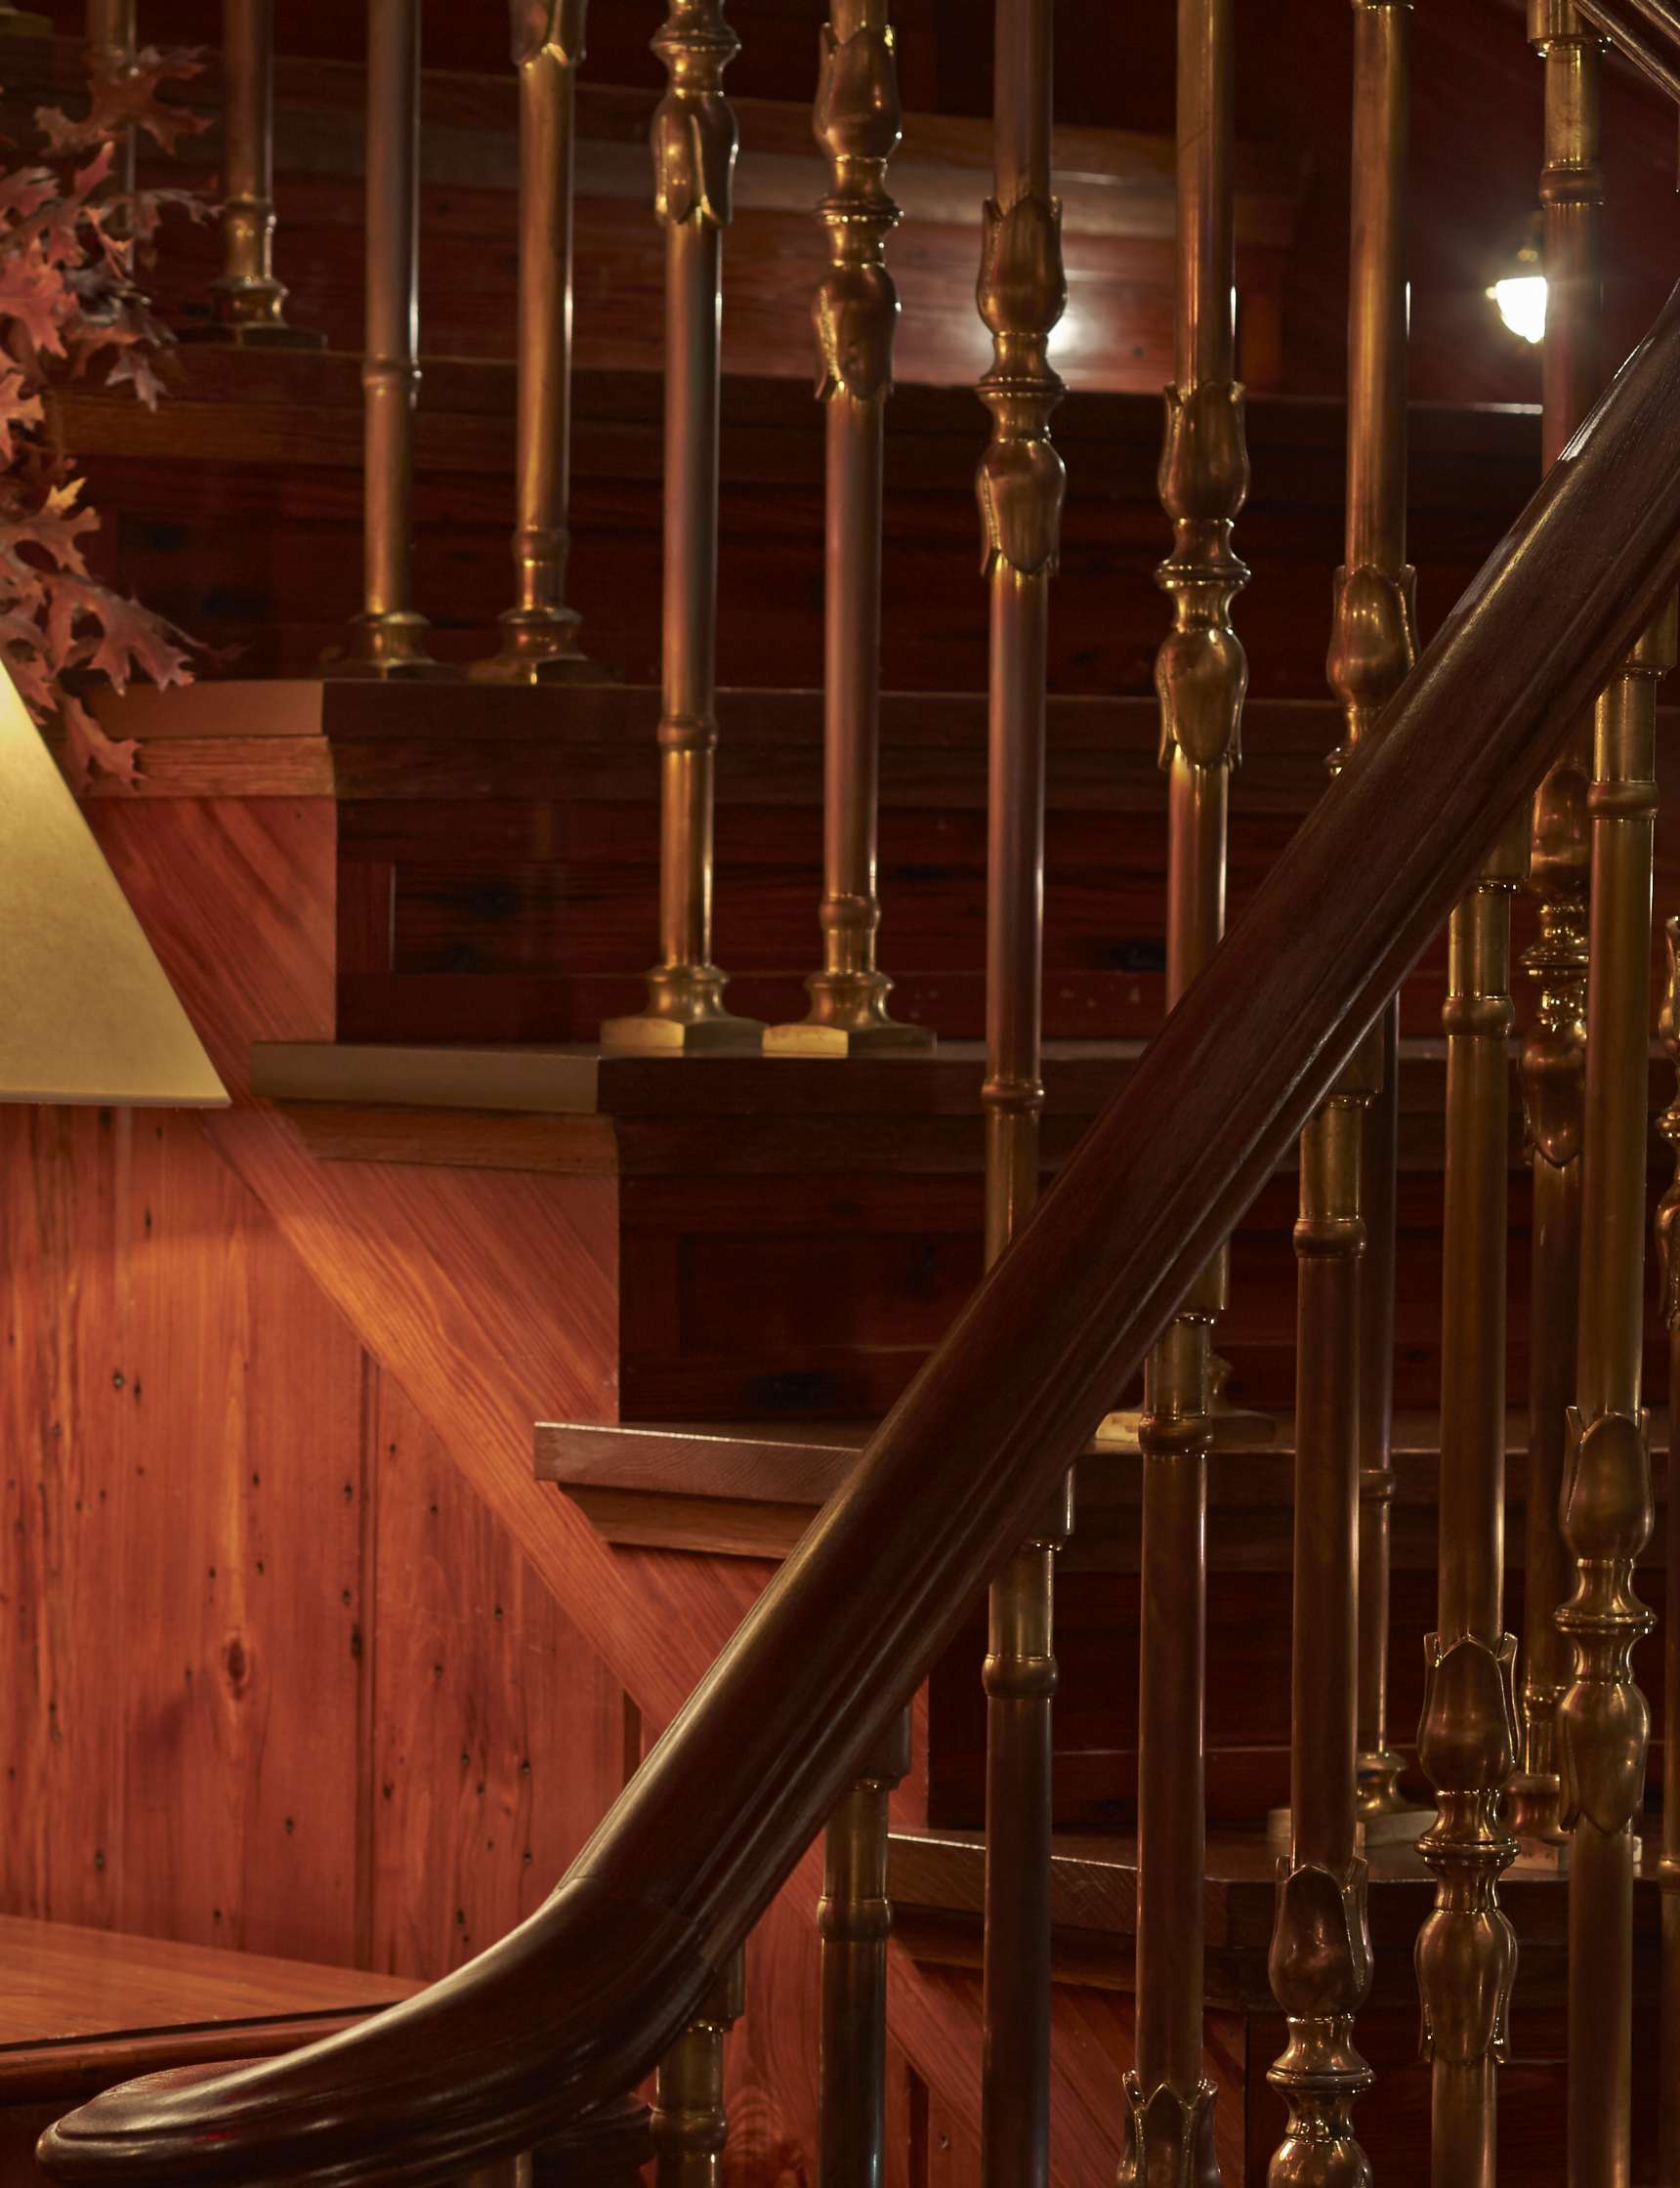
{"x": 232, "y": 1558}
{"x": 497, "y": 1731}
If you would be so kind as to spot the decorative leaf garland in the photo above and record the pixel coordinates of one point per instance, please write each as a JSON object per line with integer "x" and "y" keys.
{"x": 70, "y": 308}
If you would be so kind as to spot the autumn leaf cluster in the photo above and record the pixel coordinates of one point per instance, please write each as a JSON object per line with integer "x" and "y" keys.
{"x": 73, "y": 245}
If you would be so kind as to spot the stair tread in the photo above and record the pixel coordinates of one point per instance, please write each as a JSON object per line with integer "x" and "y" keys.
{"x": 580, "y": 1079}
{"x": 1094, "y": 1879}
{"x": 750, "y": 1489}
{"x": 81, "y": 2007}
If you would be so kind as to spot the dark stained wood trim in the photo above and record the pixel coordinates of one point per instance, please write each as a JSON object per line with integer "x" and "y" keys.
{"x": 751, "y": 1492}
{"x": 935, "y": 1881}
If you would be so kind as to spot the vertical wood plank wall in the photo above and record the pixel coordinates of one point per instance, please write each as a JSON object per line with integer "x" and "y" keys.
{"x": 274, "y": 1676}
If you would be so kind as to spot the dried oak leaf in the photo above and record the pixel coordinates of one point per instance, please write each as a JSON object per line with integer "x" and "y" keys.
{"x": 25, "y": 192}
{"x": 54, "y": 530}
{"x": 22, "y": 412}
{"x": 126, "y": 96}
{"x": 91, "y": 626}
{"x": 87, "y": 753}
{"x": 34, "y": 294}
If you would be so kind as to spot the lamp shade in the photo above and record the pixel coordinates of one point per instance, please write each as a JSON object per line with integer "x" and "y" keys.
{"x": 86, "y": 1011}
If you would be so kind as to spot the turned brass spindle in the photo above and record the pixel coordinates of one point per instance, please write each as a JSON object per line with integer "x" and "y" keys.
{"x": 1341, "y": 1766}
{"x": 1020, "y": 295}
{"x": 1554, "y": 1052}
{"x": 1669, "y": 1260}
{"x": 247, "y": 301}
{"x": 694, "y": 163}
{"x": 539, "y": 632}
{"x": 1373, "y": 647}
{"x": 691, "y": 2125}
{"x": 1321, "y": 1963}
{"x": 1201, "y": 676}
{"x": 854, "y": 1921}
{"x": 112, "y": 39}
{"x": 1603, "y": 1722}
{"x": 1466, "y": 1950}
{"x": 856, "y": 123}
{"x": 390, "y": 635}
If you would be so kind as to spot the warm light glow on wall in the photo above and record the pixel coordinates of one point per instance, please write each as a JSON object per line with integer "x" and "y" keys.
{"x": 1522, "y": 302}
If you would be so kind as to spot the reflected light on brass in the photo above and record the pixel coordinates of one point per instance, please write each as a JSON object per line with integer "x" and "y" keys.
{"x": 86, "y": 1012}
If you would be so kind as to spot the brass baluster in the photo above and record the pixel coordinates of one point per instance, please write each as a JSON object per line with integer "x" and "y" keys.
{"x": 856, "y": 123}
{"x": 539, "y": 632}
{"x": 1321, "y": 1963}
{"x": 1668, "y": 1261}
{"x": 1554, "y": 1053}
{"x": 1466, "y": 1948}
{"x": 390, "y": 634}
{"x": 112, "y": 39}
{"x": 1021, "y": 294}
{"x": 1603, "y": 1722}
{"x": 1201, "y": 676}
{"x": 694, "y": 162}
{"x": 854, "y": 1921}
{"x": 690, "y": 2125}
{"x": 1341, "y": 1767}
{"x": 247, "y": 301}
{"x": 1373, "y": 647}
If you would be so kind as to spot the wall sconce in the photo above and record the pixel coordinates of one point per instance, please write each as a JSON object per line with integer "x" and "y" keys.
{"x": 1520, "y": 292}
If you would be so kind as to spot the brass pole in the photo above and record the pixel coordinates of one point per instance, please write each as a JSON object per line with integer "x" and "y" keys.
{"x": 854, "y": 1921}
{"x": 1466, "y": 1948}
{"x": 1603, "y": 1722}
{"x": 539, "y": 632}
{"x": 390, "y": 634}
{"x": 1372, "y": 648}
{"x": 1341, "y": 1767}
{"x": 112, "y": 39}
{"x": 247, "y": 301}
{"x": 1019, "y": 484}
{"x": 858, "y": 125}
{"x": 1668, "y": 1259}
{"x": 1321, "y": 1962}
{"x": 690, "y": 2125}
{"x": 1554, "y": 1053}
{"x": 1201, "y": 675}
{"x": 694, "y": 163}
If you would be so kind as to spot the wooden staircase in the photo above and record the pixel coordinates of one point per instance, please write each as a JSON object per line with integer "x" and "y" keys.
{"x": 441, "y": 1191}
{"x": 400, "y": 913}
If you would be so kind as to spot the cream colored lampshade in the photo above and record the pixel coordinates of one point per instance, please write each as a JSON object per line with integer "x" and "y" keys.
{"x": 86, "y": 1011}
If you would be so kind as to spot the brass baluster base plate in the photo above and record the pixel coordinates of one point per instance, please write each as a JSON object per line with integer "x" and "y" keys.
{"x": 384, "y": 648}
{"x": 1235, "y": 1428}
{"x": 887, "y": 1037}
{"x": 536, "y": 669}
{"x": 647, "y": 1034}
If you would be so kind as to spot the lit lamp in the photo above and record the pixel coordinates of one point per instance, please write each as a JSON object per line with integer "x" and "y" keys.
{"x": 87, "y": 1013}
{"x": 1520, "y": 292}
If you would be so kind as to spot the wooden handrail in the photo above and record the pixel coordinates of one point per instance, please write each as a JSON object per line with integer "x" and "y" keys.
{"x": 1646, "y": 32}
{"x": 577, "y": 2003}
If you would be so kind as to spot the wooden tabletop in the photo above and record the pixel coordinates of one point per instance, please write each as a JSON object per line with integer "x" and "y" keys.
{"x": 82, "y": 2008}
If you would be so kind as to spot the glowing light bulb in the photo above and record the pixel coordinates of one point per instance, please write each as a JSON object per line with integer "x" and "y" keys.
{"x": 1522, "y": 302}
